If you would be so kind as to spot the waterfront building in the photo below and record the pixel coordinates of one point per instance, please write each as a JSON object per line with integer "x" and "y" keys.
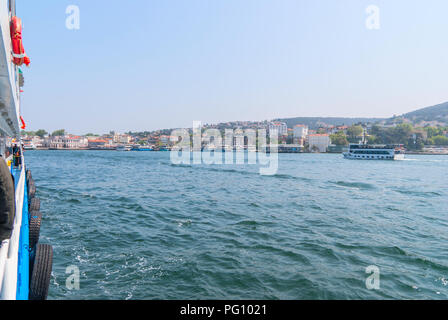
{"x": 66, "y": 142}
{"x": 38, "y": 142}
{"x": 121, "y": 138}
{"x": 75, "y": 142}
{"x": 299, "y": 141}
{"x": 300, "y": 133}
{"x": 436, "y": 149}
{"x": 336, "y": 129}
{"x": 280, "y": 127}
{"x": 164, "y": 139}
{"x": 319, "y": 142}
{"x": 97, "y": 143}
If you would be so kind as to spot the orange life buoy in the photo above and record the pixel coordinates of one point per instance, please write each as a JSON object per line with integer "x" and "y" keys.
{"x": 19, "y": 55}
{"x": 23, "y": 123}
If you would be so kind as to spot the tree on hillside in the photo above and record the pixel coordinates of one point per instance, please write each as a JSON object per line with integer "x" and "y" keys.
{"x": 41, "y": 133}
{"x": 402, "y": 134}
{"x": 60, "y": 132}
{"x": 404, "y": 130}
{"x": 354, "y": 133}
{"x": 438, "y": 140}
{"x": 339, "y": 139}
{"x": 433, "y": 131}
{"x": 28, "y": 133}
{"x": 372, "y": 139}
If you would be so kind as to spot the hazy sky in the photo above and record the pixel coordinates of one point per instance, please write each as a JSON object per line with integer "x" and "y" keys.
{"x": 149, "y": 64}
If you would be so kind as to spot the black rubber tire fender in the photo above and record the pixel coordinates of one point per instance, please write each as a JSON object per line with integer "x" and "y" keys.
{"x": 31, "y": 190}
{"x": 29, "y": 182}
{"x": 29, "y": 176}
{"x": 41, "y": 272}
{"x": 34, "y": 204}
{"x": 35, "y": 223}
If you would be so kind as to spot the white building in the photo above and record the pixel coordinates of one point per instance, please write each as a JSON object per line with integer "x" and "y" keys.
{"x": 122, "y": 138}
{"x": 38, "y": 142}
{"x": 66, "y": 142}
{"x": 300, "y": 131}
{"x": 76, "y": 142}
{"x": 319, "y": 142}
{"x": 280, "y": 127}
{"x": 164, "y": 139}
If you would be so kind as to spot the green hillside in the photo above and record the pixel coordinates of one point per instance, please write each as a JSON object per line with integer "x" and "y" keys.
{"x": 437, "y": 113}
{"x": 316, "y": 122}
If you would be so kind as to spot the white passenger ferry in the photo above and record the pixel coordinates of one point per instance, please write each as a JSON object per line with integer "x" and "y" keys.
{"x": 374, "y": 152}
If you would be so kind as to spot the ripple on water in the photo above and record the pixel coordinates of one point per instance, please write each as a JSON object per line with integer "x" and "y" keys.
{"x": 355, "y": 185}
{"x": 143, "y": 228}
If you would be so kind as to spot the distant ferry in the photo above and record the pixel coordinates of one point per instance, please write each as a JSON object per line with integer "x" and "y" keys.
{"x": 374, "y": 152}
{"x": 29, "y": 146}
{"x": 124, "y": 148}
{"x": 141, "y": 148}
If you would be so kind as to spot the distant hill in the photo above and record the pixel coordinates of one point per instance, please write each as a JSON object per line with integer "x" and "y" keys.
{"x": 434, "y": 115}
{"x": 316, "y": 122}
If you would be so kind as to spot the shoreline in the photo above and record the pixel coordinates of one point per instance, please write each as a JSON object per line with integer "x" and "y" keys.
{"x": 87, "y": 149}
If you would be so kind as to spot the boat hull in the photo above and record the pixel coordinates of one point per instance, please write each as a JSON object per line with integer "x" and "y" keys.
{"x": 351, "y": 156}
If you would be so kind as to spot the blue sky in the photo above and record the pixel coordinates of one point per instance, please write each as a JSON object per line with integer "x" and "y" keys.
{"x": 150, "y": 64}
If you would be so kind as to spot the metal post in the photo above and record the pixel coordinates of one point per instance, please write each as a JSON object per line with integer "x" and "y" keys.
{"x": 12, "y": 7}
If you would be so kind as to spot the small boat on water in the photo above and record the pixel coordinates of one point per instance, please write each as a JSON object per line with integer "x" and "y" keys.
{"x": 374, "y": 152}
{"x": 29, "y": 146}
{"x": 141, "y": 148}
{"x": 124, "y": 148}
